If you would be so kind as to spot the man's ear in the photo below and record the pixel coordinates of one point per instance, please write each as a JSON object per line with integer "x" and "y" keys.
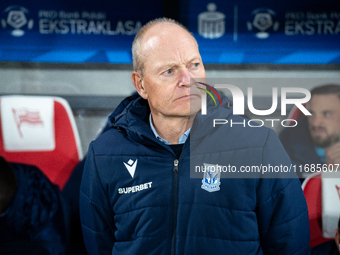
{"x": 138, "y": 82}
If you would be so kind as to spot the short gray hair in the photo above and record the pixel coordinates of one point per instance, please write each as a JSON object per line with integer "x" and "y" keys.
{"x": 138, "y": 60}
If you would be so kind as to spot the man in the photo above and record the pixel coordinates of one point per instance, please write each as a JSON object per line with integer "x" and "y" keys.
{"x": 31, "y": 213}
{"x": 136, "y": 195}
{"x": 315, "y": 140}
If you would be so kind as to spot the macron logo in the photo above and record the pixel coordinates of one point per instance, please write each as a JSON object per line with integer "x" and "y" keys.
{"x": 131, "y": 166}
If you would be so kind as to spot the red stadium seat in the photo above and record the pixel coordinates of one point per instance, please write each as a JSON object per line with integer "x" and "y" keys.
{"x": 312, "y": 190}
{"x": 295, "y": 114}
{"x": 40, "y": 131}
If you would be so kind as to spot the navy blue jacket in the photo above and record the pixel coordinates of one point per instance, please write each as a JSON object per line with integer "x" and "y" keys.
{"x": 161, "y": 210}
{"x": 327, "y": 248}
{"x": 34, "y": 222}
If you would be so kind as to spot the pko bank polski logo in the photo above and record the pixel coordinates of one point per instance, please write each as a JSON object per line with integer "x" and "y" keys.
{"x": 263, "y": 22}
{"x": 16, "y": 19}
{"x": 238, "y": 102}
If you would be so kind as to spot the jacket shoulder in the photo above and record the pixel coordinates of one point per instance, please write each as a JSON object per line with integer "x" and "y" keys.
{"x": 108, "y": 140}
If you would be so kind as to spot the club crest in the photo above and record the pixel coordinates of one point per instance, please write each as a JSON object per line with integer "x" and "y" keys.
{"x": 211, "y": 178}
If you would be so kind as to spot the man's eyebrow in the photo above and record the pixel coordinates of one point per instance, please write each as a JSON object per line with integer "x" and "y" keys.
{"x": 323, "y": 112}
{"x": 166, "y": 66}
{"x": 174, "y": 64}
{"x": 194, "y": 59}
{"x": 328, "y": 111}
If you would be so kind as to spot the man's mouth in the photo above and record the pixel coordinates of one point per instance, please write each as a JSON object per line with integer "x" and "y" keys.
{"x": 190, "y": 96}
{"x": 318, "y": 131}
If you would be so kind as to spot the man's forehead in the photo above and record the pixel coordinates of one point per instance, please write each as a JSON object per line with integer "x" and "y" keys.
{"x": 327, "y": 101}
{"x": 161, "y": 33}
{"x": 325, "y": 97}
{"x": 151, "y": 43}
{"x": 168, "y": 48}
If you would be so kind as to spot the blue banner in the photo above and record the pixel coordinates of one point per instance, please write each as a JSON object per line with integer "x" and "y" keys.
{"x": 231, "y": 32}
{"x": 275, "y": 32}
{"x": 74, "y": 31}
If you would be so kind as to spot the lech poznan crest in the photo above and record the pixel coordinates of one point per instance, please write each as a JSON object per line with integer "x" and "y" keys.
{"x": 211, "y": 178}
{"x": 211, "y": 24}
{"x": 15, "y": 18}
{"x": 263, "y": 22}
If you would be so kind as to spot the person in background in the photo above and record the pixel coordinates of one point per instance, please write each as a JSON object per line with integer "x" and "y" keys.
{"x": 31, "y": 215}
{"x": 136, "y": 194}
{"x": 315, "y": 140}
{"x": 331, "y": 247}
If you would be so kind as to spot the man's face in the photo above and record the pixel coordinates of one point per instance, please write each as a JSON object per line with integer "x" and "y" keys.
{"x": 324, "y": 123}
{"x": 171, "y": 60}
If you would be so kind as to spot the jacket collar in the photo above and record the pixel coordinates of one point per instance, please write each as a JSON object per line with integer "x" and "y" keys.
{"x": 133, "y": 113}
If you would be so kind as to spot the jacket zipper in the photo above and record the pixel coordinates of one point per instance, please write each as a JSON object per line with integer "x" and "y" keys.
{"x": 174, "y": 206}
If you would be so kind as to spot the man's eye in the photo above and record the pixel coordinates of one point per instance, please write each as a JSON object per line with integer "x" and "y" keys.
{"x": 169, "y": 71}
{"x": 196, "y": 64}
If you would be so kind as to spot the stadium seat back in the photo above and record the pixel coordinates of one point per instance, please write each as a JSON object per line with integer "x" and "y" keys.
{"x": 320, "y": 210}
{"x": 295, "y": 114}
{"x": 40, "y": 131}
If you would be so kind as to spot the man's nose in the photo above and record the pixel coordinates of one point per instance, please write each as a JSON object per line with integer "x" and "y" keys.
{"x": 316, "y": 120}
{"x": 185, "y": 76}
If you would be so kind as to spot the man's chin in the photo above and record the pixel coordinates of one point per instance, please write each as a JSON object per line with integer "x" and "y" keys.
{"x": 186, "y": 109}
{"x": 195, "y": 106}
{"x": 186, "y": 112}
{"x": 323, "y": 142}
